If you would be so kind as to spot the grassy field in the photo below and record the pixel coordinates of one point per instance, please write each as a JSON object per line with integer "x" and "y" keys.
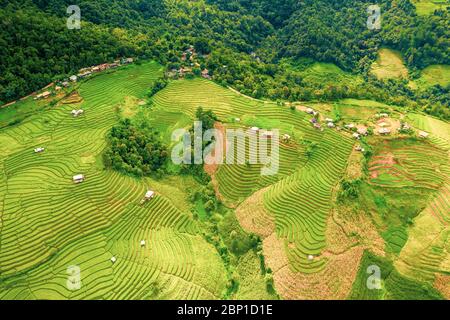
{"x": 427, "y": 7}
{"x": 389, "y": 65}
{"x": 322, "y": 74}
{"x": 19, "y": 111}
{"x": 434, "y": 75}
{"x": 357, "y": 110}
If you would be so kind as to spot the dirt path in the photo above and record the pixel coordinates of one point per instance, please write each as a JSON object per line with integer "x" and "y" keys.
{"x": 248, "y": 97}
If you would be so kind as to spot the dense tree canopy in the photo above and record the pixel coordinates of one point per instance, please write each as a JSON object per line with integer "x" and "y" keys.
{"x": 255, "y": 46}
{"x": 137, "y": 151}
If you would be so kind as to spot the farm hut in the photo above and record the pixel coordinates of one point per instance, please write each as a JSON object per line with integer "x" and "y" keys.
{"x": 127, "y": 60}
{"x": 382, "y": 115}
{"x": 405, "y": 126}
{"x": 384, "y": 131}
{"x": 349, "y": 126}
{"x": 317, "y": 126}
{"x": 286, "y": 137}
{"x": 362, "y": 131}
{"x": 113, "y": 259}
{"x": 205, "y": 74}
{"x": 142, "y": 243}
{"x": 356, "y": 136}
{"x": 73, "y": 78}
{"x": 310, "y": 257}
{"x": 77, "y": 113}
{"x": 149, "y": 195}
{"x": 309, "y": 111}
{"x": 330, "y": 125}
{"x": 383, "y": 124}
{"x": 423, "y": 134}
{"x": 329, "y": 120}
{"x": 84, "y": 70}
{"x": 254, "y": 129}
{"x": 58, "y": 88}
{"x": 78, "y": 178}
{"x": 39, "y": 150}
{"x": 313, "y": 120}
{"x": 65, "y": 84}
{"x": 43, "y": 95}
{"x": 237, "y": 119}
{"x": 84, "y": 74}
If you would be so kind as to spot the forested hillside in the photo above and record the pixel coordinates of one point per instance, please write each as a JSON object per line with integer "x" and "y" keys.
{"x": 253, "y": 39}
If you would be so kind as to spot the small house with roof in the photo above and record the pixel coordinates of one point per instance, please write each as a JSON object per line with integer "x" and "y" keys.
{"x": 79, "y": 178}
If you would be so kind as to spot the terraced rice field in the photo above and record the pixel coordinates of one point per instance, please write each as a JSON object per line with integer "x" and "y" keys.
{"x": 301, "y": 203}
{"x": 408, "y": 163}
{"x": 48, "y": 223}
{"x": 301, "y": 199}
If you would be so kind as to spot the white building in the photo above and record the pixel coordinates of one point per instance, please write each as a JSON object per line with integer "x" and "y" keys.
{"x": 384, "y": 131}
{"x": 79, "y": 178}
{"x": 350, "y": 126}
{"x": 77, "y": 113}
{"x": 149, "y": 195}
{"x": 39, "y": 150}
{"x": 362, "y": 131}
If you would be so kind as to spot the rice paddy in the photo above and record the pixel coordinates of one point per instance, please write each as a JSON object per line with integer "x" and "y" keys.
{"x": 49, "y": 223}
{"x": 126, "y": 250}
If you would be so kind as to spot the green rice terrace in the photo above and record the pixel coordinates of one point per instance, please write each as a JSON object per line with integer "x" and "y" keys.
{"x": 360, "y": 183}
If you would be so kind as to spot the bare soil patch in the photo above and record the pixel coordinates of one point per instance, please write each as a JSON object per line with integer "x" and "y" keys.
{"x": 73, "y": 98}
{"x": 442, "y": 283}
{"x": 253, "y": 217}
